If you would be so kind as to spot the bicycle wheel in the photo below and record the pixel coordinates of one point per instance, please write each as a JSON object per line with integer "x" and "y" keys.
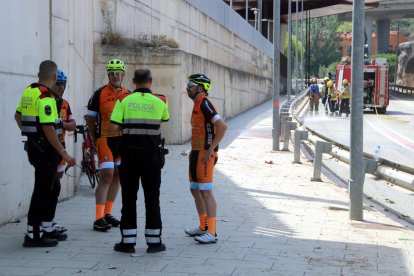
{"x": 86, "y": 167}
{"x": 91, "y": 177}
{"x": 96, "y": 176}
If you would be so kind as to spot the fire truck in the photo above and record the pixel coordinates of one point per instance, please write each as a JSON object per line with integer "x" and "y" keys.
{"x": 376, "y": 85}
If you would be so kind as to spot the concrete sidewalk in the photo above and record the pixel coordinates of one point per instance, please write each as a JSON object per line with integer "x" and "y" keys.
{"x": 272, "y": 220}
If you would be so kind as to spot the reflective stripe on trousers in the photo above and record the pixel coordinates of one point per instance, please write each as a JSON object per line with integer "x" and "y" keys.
{"x": 153, "y": 236}
{"x": 129, "y": 236}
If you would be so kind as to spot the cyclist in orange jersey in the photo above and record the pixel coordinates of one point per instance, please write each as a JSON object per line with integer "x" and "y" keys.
{"x": 208, "y": 129}
{"x": 68, "y": 124}
{"x": 64, "y": 112}
{"x": 108, "y": 141}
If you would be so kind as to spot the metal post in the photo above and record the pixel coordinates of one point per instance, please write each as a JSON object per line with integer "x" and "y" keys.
{"x": 247, "y": 10}
{"x": 308, "y": 44}
{"x": 296, "y": 48}
{"x": 299, "y": 136}
{"x": 268, "y": 30}
{"x": 288, "y": 127}
{"x": 285, "y": 118}
{"x": 320, "y": 148}
{"x": 255, "y": 19}
{"x": 357, "y": 174}
{"x": 231, "y": 3}
{"x": 302, "y": 75}
{"x": 276, "y": 74}
{"x": 259, "y": 20}
{"x": 289, "y": 54}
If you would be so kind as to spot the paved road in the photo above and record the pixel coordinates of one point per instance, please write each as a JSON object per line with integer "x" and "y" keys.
{"x": 394, "y": 131}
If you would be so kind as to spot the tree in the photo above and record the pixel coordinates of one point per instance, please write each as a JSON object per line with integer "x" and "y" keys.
{"x": 345, "y": 27}
{"x": 406, "y": 26}
{"x": 324, "y": 48}
{"x": 293, "y": 47}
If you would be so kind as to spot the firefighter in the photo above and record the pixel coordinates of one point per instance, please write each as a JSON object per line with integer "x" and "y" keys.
{"x": 37, "y": 117}
{"x": 332, "y": 98}
{"x": 314, "y": 95}
{"x": 325, "y": 91}
{"x": 139, "y": 115}
{"x": 344, "y": 96}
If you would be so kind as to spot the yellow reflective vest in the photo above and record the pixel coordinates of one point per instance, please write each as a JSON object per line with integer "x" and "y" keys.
{"x": 345, "y": 92}
{"x": 37, "y": 106}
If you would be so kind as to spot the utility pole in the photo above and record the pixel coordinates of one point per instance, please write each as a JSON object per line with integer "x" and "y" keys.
{"x": 259, "y": 20}
{"x": 289, "y": 55}
{"x": 296, "y": 49}
{"x": 255, "y": 17}
{"x": 302, "y": 75}
{"x": 247, "y": 10}
{"x": 357, "y": 173}
{"x": 276, "y": 74}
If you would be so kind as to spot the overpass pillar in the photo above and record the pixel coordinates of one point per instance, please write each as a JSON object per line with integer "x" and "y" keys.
{"x": 368, "y": 33}
{"x": 383, "y": 36}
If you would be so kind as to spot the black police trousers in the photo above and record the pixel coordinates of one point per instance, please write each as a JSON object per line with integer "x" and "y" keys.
{"x": 144, "y": 165}
{"x": 45, "y": 159}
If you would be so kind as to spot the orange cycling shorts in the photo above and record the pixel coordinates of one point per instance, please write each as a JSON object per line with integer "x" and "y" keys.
{"x": 61, "y": 167}
{"x": 200, "y": 172}
{"x": 108, "y": 149}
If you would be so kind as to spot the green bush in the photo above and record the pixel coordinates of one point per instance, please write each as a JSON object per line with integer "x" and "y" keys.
{"x": 324, "y": 70}
{"x": 391, "y": 60}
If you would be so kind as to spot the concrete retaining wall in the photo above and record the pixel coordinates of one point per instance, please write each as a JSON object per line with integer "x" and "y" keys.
{"x": 70, "y": 32}
{"x": 233, "y": 91}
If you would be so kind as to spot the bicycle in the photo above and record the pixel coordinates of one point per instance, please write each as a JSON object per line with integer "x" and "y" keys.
{"x": 88, "y": 164}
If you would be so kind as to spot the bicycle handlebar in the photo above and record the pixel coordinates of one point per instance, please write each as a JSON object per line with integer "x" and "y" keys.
{"x": 82, "y": 129}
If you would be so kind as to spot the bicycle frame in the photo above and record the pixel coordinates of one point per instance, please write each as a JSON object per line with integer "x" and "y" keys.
{"x": 88, "y": 165}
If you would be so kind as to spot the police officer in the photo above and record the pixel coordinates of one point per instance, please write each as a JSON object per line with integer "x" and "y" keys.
{"x": 36, "y": 115}
{"x": 139, "y": 115}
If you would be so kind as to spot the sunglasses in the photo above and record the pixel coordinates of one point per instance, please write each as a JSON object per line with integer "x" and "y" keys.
{"x": 115, "y": 73}
{"x": 191, "y": 84}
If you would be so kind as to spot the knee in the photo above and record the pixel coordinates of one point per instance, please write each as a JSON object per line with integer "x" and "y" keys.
{"x": 195, "y": 193}
{"x": 105, "y": 178}
{"x": 206, "y": 195}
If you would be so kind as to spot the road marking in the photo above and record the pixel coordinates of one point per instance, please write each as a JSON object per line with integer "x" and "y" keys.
{"x": 395, "y": 137}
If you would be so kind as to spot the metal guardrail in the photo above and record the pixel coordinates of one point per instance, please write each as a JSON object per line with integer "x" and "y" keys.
{"x": 390, "y": 171}
{"x": 401, "y": 88}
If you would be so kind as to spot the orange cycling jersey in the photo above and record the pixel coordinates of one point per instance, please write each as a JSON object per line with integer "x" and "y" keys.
{"x": 101, "y": 106}
{"x": 65, "y": 113}
{"x": 203, "y": 130}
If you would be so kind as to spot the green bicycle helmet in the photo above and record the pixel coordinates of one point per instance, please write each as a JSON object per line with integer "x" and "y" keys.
{"x": 201, "y": 79}
{"x": 115, "y": 65}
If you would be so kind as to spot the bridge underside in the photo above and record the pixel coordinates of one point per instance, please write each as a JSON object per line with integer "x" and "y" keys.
{"x": 317, "y": 8}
